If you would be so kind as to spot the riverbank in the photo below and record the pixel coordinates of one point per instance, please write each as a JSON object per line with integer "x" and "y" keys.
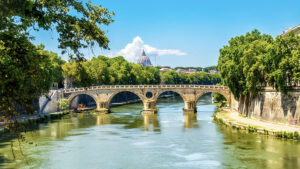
{"x": 234, "y": 119}
{"x": 34, "y": 119}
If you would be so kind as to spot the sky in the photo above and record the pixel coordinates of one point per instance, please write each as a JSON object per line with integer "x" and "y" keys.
{"x": 183, "y": 32}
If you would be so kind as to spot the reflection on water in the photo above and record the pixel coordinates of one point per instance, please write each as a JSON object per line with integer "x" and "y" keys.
{"x": 151, "y": 122}
{"x": 190, "y": 121}
{"x": 127, "y": 139}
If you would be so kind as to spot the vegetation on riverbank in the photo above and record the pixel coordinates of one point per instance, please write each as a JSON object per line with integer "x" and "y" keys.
{"x": 221, "y": 118}
{"x": 253, "y": 60}
{"x": 102, "y": 70}
{"x": 200, "y": 78}
{"x": 31, "y": 123}
{"x": 27, "y": 71}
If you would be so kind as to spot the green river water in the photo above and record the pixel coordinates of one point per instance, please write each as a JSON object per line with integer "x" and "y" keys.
{"x": 125, "y": 139}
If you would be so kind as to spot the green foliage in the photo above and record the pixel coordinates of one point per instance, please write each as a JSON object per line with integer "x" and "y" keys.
{"x": 296, "y": 135}
{"x": 266, "y": 132}
{"x": 287, "y": 135}
{"x": 102, "y": 70}
{"x": 252, "y": 129}
{"x": 77, "y": 23}
{"x": 63, "y": 104}
{"x": 200, "y": 78}
{"x": 254, "y": 59}
{"x": 282, "y": 62}
{"x": 56, "y": 64}
{"x": 218, "y": 97}
{"x": 109, "y": 71}
{"x": 26, "y": 72}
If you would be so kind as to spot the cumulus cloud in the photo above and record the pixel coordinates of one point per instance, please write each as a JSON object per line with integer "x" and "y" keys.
{"x": 133, "y": 50}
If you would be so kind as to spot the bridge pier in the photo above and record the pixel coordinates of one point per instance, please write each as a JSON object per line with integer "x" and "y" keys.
{"x": 189, "y": 107}
{"x": 149, "y": 107}
{"x": 102, "y": 106}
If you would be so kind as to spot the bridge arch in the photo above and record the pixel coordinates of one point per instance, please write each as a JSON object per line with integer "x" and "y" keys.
{"x": 73, "y": 96}
{"x": 156, "y": 96}
{"x": 141, "y": 97}
{"x": 225, "y": 94}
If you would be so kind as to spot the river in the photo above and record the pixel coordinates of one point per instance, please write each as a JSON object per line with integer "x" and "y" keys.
{"x": 125, "y": 139}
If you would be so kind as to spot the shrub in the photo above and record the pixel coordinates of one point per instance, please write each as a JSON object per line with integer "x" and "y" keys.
{"x": 296, "y": 135}
{"x": 252, "y": 129}
{"x": 63, "y": 104}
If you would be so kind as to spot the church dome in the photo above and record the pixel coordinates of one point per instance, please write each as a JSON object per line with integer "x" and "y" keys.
{"x": 144, "y": 60}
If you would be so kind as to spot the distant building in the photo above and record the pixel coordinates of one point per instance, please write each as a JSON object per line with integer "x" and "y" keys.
{"x": 296, "y": 30}
{"x": 144, "y": 60}
{"x": 180, "y": 70}
{"x": 165, "y": 69}
{"x": 190, "y": 71}
{"x": 213, "y": 71}
{"x": 186, "y": 71}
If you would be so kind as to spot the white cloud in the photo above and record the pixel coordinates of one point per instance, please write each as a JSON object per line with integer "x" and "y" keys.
{"x": 133, "y": 50}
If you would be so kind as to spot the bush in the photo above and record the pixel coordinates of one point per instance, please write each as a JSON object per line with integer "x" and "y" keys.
{"x": 252, "y": 129}
{"x": 63, "y": 104}
{"x": 296, "y": 135}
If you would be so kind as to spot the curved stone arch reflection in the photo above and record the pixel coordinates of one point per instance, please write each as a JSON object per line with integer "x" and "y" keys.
{"x": 73, "y": 96}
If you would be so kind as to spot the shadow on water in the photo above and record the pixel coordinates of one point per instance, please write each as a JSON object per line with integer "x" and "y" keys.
{"x": 5, "y": 142}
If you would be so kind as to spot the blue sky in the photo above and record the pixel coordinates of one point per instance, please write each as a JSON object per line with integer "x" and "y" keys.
{"x": 184, "y": 32}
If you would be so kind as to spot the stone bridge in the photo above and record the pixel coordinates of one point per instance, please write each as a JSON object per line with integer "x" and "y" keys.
{"x": 147, "y": 93}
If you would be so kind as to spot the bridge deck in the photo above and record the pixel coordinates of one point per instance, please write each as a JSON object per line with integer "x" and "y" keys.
{"x": 144, "y": 86}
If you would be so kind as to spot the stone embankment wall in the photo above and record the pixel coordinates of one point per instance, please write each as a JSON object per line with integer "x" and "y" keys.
{"x": 48, "y": 105}
{"x": 273, "y": 106}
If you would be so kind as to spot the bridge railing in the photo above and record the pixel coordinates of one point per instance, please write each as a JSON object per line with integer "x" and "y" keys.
{"x": 143, "y": 86}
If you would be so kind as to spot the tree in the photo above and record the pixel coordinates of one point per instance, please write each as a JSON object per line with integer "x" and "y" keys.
{"x": 98, "y": 70}
{"x": 56, "y": 63}
{"x": 77, "y": 24}
{"x": 25, "y": 73}
{"x": 152, "y": 74}
{"x": 282, "y": 64}
{"x": 241, "y": 62}
{"x": 114, "y": 71}
{"x": 78, "y": 72}
{"x": 255, "y": 59}
{"x": 201, "y": 78}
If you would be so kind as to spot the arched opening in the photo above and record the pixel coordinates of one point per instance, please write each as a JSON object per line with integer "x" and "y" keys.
{"x": 83, "y": 101}
{"x": 170, "y": 101}
{"x": 210, "y": 101}
{"x": 126, "y": 102}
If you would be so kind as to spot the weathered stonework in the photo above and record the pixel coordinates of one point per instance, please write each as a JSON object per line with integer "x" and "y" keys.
{"x": 189, "y": 93}
{"x": 273, "y": 106}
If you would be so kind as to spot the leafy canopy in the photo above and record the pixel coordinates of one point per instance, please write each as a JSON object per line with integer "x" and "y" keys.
{"x": 255, "y": 59}
{"x": 77, "y": 23}
{"x": 26, "y": 71}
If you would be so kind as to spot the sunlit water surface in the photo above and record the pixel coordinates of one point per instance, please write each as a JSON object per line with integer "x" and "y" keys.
{"x": 126, "y": 139}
